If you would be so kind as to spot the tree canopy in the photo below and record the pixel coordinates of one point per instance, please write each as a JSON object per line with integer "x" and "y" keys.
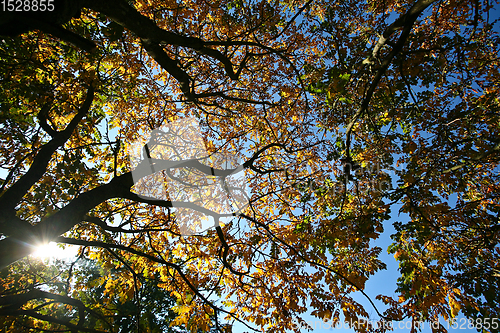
{"x": 296, "y": 130}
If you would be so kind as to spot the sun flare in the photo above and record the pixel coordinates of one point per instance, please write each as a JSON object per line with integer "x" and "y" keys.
{"x": 53, "y": 250}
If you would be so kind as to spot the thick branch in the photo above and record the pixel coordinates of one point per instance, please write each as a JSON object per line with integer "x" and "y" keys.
{"x": 25, "y": 242}
{"x": 66, "y": 35}
{"x": 406, "y": 22}
{"x": 147, "y": 30}
{"x": 42, "y": 117}
{"x": 51, "y": 319}
{"x": 170, "y": 65}
{"x": 12, "y": 305}
{"x": 13, "y": 195}
{"x": 15, "y": 248}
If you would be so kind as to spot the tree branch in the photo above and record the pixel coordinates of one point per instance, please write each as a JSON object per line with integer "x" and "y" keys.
{"x": 152, "y": 36}
{"x": 176, "y": 267}
{"x": 12, "y": 196}
{"x": 406, "y": 22}
{"x": 15, "y": 248}
{"x": 12, "y": 304}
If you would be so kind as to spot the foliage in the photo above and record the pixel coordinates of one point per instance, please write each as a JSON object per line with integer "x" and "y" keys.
{"x": 338, "y": 112}
{"x": 69, "y": 287}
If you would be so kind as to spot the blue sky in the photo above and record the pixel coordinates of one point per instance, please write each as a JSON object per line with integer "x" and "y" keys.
{"x": 383, "y": 282}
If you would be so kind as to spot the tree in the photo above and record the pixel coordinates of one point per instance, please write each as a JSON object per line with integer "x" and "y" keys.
{"x": 317, "y": 100}
{"x": 81, "y": 291}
